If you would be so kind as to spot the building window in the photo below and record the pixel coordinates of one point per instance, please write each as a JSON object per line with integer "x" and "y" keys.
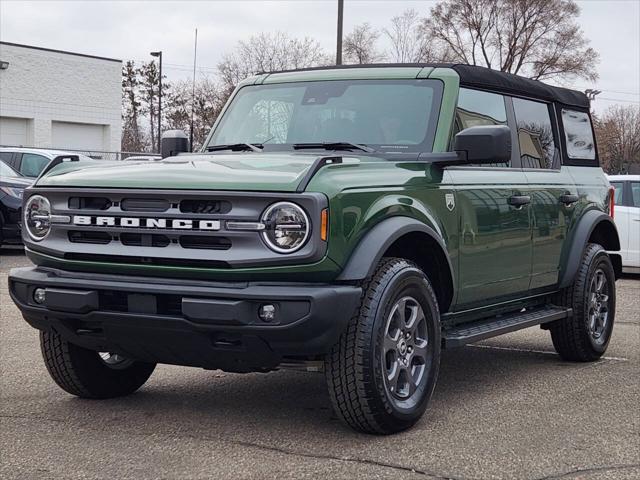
{"x": 535, "y": 134}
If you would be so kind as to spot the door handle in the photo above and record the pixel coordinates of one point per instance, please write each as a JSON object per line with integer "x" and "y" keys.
{"x": 569, "y": 198}
{"x": 519, "y": 201}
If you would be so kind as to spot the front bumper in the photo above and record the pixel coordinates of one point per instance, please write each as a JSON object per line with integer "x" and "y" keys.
{"x": 194, "y": 323}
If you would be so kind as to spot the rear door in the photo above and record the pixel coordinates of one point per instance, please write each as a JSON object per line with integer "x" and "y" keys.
{"x": 634, "y": 224}
{"x": 622, "y": 217}
{"x": 551, "y": 187}
{"x": 494, "y": 213}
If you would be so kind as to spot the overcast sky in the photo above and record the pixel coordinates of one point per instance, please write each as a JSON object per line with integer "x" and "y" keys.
{"x": 130, "y": 30}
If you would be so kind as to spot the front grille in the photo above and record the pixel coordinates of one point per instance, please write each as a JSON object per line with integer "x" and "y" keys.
{"x": 89, "y": 203}
{"x": 205, "y": 243}
{"x": 97, "y": 238}
{"x": 204, "y": 206}
{"x": 172, "y": 228}
{"x": 145, "y": 205}
{"x": 144, "y": 240}
{"x": 138, "y": 260}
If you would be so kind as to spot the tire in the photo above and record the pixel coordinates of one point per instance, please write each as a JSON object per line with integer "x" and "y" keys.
{"x": 84, "y": 373}
{"x": 365, "y": 393}
{"x": 584, "y": 337}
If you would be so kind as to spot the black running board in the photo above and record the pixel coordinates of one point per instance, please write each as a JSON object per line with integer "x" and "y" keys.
{"x": 465, "y": 333}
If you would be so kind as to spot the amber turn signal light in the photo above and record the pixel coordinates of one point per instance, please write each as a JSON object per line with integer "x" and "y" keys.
{"x": 324, "y": 224}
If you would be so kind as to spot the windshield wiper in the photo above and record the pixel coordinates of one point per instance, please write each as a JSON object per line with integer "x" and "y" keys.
{"x": 334, "y": 146}
{"x": 236, "y": 147}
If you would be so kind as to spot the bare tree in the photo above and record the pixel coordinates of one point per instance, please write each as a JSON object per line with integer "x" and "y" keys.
{"x": 410, "y": 41}
{"x": 149, "y": 83}
{"x": 267, "y": 52}
{"x": 360, "y": 46}
{"x": 406, "y": 37}
{"x": 535, "y": 38}
{"x": 618, "y": 137}
{"x": 210, "y": 98}
{"x": 132, "y": 136}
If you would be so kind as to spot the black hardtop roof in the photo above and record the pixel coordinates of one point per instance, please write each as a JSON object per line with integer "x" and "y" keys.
{"x": 486, "y": 78}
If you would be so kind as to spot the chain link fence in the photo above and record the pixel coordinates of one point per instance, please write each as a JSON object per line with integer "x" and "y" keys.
{"x": 95, "y": 154}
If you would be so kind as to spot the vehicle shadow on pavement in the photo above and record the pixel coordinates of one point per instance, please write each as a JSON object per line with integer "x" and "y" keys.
{"x": 228, "y": 404}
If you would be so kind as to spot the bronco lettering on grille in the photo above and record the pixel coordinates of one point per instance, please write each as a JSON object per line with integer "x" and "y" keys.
{"x": 159, "y": 223}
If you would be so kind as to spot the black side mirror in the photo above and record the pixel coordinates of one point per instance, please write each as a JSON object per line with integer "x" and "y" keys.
{"x": 483, "y": 144}
{"x": 173, "y": 142}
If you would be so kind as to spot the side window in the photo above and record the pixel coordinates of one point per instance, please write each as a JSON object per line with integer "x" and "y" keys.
{"x": 480, "y": 108}
{"x": 578, "y": 134}
{"x": 619, "y": 189}
{"x": 32, "y": 164}
{"x": 535, "y": 134}
{"x": 635, "y": 194}
{"x": 6, "y": 156}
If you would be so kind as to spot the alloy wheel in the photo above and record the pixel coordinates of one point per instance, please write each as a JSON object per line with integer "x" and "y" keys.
{"x": 598, "y": 306}
{"x": 405, "y": 356}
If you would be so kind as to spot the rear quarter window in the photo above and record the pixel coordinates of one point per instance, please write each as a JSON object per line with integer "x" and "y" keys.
{"x": 635, "y": 194}
{"x": 578, "y": 135}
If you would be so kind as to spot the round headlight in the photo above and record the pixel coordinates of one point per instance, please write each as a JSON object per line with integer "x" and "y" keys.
{"x": 37, "y": 217}
{"x": 286, "y": 227}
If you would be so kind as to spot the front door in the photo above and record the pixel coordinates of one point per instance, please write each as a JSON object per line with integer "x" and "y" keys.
{"x": 495, "y": 233}
{"x": 493, "y": 211}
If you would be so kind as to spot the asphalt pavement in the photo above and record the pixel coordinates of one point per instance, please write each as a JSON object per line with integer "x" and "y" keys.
{"x": 505, "y": 408}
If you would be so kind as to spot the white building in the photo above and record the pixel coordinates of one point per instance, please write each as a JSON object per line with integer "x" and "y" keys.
{"x": 55, "y": 99}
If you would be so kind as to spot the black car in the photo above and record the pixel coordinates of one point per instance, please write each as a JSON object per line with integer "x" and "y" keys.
{"x": 12, "y": 184}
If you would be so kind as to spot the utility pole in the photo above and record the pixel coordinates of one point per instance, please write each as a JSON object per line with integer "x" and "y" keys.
{"x": 339, "y": 43}
{"x": 159, "y": 55}
{"x": 193, "y": 89}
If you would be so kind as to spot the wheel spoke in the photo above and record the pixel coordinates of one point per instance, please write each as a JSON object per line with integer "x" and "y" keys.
{"x": 393, "y": 375}
{"x": 420, "y": 351}
{"x": 400, "y": 311}
{"x": 599, "y": 281}
{"x": 411, "y": 383}
{"x": 416, "y": 316}
{"x": 391, "y": 344}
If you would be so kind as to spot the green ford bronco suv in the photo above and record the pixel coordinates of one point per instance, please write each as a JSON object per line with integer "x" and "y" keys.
{"x": 358, "y": 219}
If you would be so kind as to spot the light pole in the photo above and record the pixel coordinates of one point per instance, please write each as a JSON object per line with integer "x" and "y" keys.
{"x": 591, "y": 93}
{"x": 159, "y": 55}
{"x": 339, "y": 42}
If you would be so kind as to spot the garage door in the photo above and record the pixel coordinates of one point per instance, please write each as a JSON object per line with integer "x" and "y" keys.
{"x": 13, "y": 131}
{"x": 77, "y": 136}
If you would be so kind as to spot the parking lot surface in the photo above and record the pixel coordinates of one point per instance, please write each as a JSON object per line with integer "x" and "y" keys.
{"x": 505, "y": 408}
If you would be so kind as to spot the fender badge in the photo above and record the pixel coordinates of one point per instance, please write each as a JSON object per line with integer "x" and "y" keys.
{"x": 450, "y": 201}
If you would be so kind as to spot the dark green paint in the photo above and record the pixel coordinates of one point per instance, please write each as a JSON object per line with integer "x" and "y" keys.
{"x": 497, "y": 252}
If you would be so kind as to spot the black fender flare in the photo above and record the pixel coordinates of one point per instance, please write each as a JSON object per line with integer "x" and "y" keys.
{"x": 369, "y": 251}
{"x": 587, "y": 224}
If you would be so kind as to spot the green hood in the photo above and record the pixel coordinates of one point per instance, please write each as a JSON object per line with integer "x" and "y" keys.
{"x": 278, "y": 171}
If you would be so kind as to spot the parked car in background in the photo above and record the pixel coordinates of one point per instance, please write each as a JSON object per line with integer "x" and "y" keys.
{"x": 12, "y": 185}
{"x": 143, "y": 158}
{"x": 30, "y": 162}
{"x": 627, "y": 218}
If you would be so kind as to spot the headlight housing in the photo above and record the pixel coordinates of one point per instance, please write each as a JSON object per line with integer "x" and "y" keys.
{"x": 13, "y": 192}
{"x": 287, "y": 227}
{"x": 37, "y": 217}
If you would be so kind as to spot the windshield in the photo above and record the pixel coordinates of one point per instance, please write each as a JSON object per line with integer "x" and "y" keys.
{"x": 7, "y": 171}
{"x": 388, "y": 115}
